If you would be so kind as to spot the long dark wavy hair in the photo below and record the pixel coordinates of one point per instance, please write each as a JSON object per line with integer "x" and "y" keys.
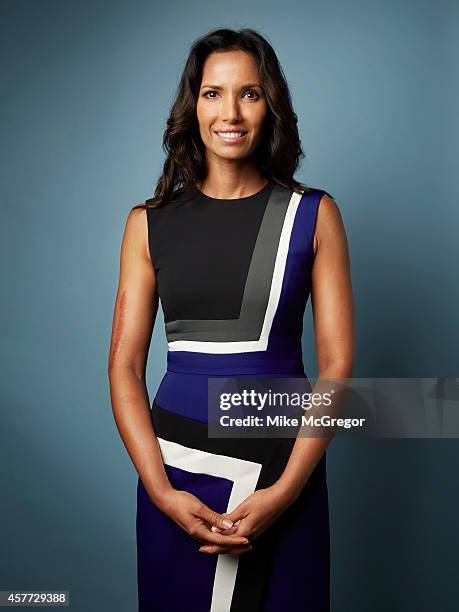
{"x": 279, "y": 151}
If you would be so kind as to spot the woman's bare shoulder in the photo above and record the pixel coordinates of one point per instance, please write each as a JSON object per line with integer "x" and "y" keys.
{"x": 329, "y": 222}
{"x": 136, "y": 231}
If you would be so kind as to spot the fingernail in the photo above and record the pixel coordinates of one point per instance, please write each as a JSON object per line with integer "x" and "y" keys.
{"x": 215, "y": 529}
{"x": 245, "y": 541}
{"x": 226, "y": 523}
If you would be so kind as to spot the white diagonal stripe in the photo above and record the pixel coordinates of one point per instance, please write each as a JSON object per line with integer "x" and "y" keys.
{"x": 244, "y": 475}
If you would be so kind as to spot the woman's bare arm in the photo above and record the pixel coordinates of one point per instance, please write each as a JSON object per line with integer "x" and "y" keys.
{"x": 134, "y": 316}
{"x": 133, "y": 320}
{"x": 333, "y": 312}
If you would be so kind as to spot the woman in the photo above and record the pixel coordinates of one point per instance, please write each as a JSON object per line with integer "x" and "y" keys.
{"x": 233, "y": 245}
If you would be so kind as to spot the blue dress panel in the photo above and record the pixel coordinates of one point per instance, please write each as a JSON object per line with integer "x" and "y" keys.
{"x": 233, "y": 278}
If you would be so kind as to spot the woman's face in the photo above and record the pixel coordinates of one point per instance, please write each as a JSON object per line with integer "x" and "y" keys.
{"x": 232, "y": 100}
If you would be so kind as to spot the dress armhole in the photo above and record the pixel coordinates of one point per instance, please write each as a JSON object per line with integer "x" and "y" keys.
{"x": 321, "y": 194}
{"x": 149, "y": 212}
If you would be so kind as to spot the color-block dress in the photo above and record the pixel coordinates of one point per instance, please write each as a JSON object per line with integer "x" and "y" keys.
{"x": 233, "y": 277}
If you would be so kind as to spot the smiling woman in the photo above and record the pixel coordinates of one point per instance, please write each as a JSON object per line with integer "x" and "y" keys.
{"x": 233, "y": 246}
{"x": 235, "y": 113}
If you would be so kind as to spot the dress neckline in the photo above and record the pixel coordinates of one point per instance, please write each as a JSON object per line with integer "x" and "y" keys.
{"x": 208, "y": 198}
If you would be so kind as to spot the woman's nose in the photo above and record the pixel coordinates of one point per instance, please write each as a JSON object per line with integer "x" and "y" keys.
{"x": 230, "y": 108}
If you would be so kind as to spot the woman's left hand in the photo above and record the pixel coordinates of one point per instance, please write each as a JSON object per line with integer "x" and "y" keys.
{"x": 254, "y": 515}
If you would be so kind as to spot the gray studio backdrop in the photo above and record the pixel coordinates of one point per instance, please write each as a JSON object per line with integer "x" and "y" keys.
{"x": 86, "y": 88}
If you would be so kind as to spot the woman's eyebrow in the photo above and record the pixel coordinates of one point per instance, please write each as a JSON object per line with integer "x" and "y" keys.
{"x": 242, "y": 86}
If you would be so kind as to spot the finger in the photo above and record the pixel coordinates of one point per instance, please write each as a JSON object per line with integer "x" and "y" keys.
{"x": 214, "y": 518}
{"x": 223, "y": 550}
{"x": 237, "y": 514}
{"x": 200, "y": 532}
{"x": 240, "y": 528}
{"x": 217, "y": 529}
{"x": 230, "y": 531}
{"x": 227, "y": 550}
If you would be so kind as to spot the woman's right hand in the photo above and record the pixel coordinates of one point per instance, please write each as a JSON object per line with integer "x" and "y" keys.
{"x": 197, "y": 519}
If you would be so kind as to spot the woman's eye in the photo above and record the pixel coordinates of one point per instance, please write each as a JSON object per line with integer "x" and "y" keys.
{"x": 254, "y": 94}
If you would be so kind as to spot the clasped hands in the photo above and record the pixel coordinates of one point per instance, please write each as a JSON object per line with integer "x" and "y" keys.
{"x": 227, "y": 533}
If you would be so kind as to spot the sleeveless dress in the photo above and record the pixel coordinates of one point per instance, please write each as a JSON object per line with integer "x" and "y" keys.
{"x": 233, "y": 277}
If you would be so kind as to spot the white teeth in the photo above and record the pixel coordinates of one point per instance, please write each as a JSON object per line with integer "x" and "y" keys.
{"x": 231, "y": 134}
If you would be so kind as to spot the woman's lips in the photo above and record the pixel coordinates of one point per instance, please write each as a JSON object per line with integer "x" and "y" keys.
{"x": 230, "y": 139}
